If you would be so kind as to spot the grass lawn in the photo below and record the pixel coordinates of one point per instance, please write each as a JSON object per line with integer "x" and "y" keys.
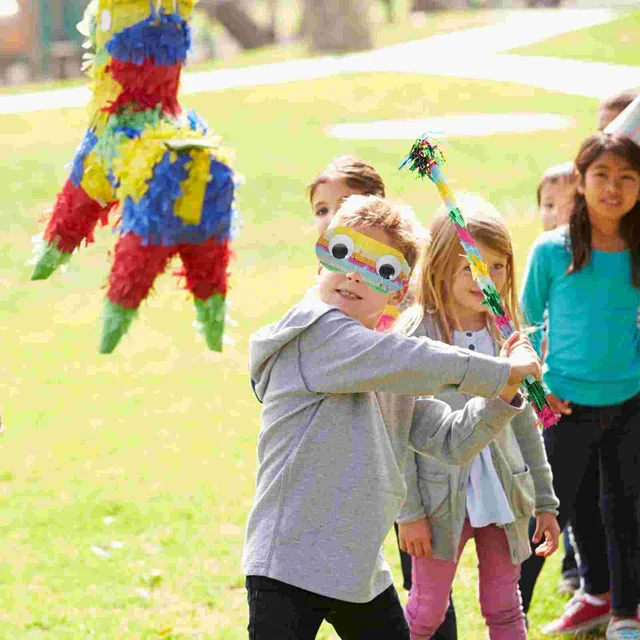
{"x": 125, "y": 480}
{"x": 615, "y": 42}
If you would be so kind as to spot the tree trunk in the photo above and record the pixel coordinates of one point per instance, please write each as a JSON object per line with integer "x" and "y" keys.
{"x": 438, "y": 5}
{"x": 273, "y": 19}
{"x": 237, "y": 21}
{"x": 337, "y": 25}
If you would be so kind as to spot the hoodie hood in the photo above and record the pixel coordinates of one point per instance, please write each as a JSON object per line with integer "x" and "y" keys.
{"x": 266, "y": 344}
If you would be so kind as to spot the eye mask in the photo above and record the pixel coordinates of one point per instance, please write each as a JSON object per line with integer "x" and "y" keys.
{"x": 380, "y": 266}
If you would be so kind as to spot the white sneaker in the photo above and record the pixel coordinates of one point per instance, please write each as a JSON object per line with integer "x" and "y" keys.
{"x": 626, "y": 629}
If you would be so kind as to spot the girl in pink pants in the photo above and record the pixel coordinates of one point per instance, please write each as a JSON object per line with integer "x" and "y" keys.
{"x": 499, "y": 597}
{"x": 492, "y": 498}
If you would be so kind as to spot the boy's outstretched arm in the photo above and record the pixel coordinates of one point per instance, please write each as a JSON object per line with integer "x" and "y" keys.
{"x": 339, "y": 355}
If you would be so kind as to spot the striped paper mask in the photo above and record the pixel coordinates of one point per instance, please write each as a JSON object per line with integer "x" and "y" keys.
{"x": 380, "y": 266}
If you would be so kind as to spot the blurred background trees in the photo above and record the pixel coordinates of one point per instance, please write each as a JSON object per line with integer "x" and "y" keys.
{"x": 38, "y": 38}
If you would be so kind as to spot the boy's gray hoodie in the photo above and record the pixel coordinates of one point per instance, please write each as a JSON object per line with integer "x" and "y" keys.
{"x": 330, "y": 478}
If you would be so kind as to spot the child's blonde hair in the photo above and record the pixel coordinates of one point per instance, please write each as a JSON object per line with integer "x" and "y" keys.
{"x": 438, "y": 261}
{"x": 397, "y": 220}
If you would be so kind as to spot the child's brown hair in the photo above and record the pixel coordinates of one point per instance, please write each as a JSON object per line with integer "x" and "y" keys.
{"x": 564, "y": 172}
{"x": 357, "y": 174}
{"x": 609, "y": 108}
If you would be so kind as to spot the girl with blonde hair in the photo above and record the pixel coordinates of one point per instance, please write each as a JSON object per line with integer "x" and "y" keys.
{"x": 492, "y": 498}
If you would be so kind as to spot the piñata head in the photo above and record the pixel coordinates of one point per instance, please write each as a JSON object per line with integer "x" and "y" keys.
{"x": 161, "y": 167}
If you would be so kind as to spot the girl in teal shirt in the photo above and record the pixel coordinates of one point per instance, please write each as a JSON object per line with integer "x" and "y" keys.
{"x": 587, "y": 275}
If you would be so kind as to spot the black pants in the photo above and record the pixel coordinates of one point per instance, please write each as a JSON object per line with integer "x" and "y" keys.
{"x": 569, "y": 562}
{"x": 604, "y": 439}
{"x": 280, "y": 611}
{"x": 448, "y": 630}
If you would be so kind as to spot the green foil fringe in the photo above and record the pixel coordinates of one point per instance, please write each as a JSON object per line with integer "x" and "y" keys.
{"x": 117, "y": 321}
{"x": 210, "y": 314}
{"x": 49, "y": 260}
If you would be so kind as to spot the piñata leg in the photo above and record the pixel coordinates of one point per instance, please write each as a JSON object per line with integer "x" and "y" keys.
{"x": 74, "y": 219}
{"x": 135, "y": 268}
{"x": 205, "y": 270}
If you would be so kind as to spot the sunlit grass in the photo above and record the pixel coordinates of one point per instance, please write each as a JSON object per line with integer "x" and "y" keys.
{"x": 614, "y": 42}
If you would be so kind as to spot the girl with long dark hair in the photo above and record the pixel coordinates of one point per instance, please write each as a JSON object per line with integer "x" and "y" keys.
{"x": 587, "y": 275}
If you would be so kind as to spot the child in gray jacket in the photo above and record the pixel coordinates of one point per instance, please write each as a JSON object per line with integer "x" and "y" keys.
{"x": 330, "y": 477}
{"x": 492, "y": 498}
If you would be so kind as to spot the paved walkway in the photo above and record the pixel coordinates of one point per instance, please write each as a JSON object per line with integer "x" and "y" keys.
{"x": 467, "y": 124}
{"x": 476, "y": 53}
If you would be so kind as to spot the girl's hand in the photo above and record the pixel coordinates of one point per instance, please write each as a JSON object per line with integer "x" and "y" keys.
{"x": 547, "y": 524}
{"x": 415, "y": 538}
{"x": 563, "y": 407}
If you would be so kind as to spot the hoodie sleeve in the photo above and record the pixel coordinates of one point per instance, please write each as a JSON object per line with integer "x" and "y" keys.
{"x": 337, "y": 354}
{"x": 533, "y": 452}
{"x": 412, "y": 508}
{"x": 456, "y": 437}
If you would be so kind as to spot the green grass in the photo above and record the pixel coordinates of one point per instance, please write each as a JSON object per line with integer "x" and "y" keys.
{"x": 615, "y": 42}
{"x": 160, "y": 436}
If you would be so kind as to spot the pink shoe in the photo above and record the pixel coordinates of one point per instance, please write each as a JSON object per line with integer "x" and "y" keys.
{"x": 579, "y": 616}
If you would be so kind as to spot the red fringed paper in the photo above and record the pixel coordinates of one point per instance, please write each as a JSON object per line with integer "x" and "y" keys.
{"x": 135, "y": 267}
{"x": 205, "y": 268}
{"x": 145, "y": 86}
{"x": 74, "y": 218}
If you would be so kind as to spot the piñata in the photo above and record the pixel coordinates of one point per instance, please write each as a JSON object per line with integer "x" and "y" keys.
{"x": 161, "y": 167}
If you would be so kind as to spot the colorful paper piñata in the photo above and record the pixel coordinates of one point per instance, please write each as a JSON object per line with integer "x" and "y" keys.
{"x": 161, "y": 167}
{"x": 426, "y": 159}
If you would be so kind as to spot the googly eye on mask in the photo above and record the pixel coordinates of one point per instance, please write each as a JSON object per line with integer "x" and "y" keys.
{"x": 380, "y": 266}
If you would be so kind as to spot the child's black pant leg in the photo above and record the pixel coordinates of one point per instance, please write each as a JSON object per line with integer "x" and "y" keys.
{"x": 282, "y": 611}
{"x": 588, "y": 531}
{"x": 569, "y": 562}
{"x": 448, "y": 630}
{"x": 405, "y": 561}
{"x": 381, "y": 619}
{"x": 569, "y": 446}
{"x": 620, "y": 461}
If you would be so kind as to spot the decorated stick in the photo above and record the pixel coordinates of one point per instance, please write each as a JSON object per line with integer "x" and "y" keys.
{"x": 426, "y": 159}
